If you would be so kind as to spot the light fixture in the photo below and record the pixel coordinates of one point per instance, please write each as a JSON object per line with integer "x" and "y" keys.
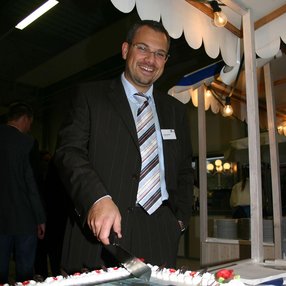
{"x": 227, "y": 110}
{"x": 210, "y": 167}
{"x": 216, "y": 167}
{"x": 226, "y": 166}
{"x": 218, "y": 162}
{"x": 282, "y": 128}
{"x": 219, "y": 167}
{"x": 208, "y": 92}
{"x": 36, "y": 14}
{"x": 220, "y": 18}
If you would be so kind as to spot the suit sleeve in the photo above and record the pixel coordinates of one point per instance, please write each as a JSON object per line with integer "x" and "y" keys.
{"x": 185, "y": 173}
{"x": 72, "y": 158}
{"x": 33, "y": 190}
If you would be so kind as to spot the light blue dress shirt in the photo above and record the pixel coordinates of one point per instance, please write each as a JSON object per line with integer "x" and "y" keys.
{"x": 130, "y": 90}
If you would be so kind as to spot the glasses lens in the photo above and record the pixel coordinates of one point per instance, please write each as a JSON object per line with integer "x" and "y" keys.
{"x": 143, "y": 49}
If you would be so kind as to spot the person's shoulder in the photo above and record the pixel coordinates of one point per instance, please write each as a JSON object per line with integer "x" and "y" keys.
{"x": 99, "y": 85}
{"x": 27, "y": 139}
{"x": 23, "y": 139}
{"x": 10, "y": 131}
{"x": 237, "y": 185}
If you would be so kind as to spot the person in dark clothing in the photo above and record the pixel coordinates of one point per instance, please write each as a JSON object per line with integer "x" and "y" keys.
{"x": 22, "y": 215}
{"x": 58, "y": 204}
{"x": 120, "y": 181}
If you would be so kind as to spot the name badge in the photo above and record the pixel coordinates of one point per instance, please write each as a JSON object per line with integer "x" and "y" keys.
{"x": 168, "y": 134}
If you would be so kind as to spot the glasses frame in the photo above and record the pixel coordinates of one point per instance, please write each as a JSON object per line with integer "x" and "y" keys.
{"x": 145, "y": 50}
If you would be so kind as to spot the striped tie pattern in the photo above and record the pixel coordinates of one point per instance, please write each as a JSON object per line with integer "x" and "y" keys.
{"x": 149, "y": 192}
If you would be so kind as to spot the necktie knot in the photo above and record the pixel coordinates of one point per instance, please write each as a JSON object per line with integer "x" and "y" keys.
{"x": 140, "y": 97}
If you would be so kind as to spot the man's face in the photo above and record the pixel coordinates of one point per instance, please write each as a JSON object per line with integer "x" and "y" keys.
{"x": 143, "y": 66}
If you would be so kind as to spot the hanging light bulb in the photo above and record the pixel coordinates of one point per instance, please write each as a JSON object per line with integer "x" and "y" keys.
{"x": 218, "y": 162}
{"x": 226, "y": 166}
{"x": 220, "y": 18}
{"x": 280, "y": 129}
{"x": 210, "y": 167}
{"x": 208, "y": 92}
{"x": 227, "y": 110}
{"x": 219, "y": 169}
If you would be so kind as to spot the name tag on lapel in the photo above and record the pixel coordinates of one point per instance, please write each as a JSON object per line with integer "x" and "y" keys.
{"x": 168, "y": 134}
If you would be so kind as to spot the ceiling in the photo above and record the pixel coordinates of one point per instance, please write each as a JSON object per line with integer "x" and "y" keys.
{"x": 75, "y": 41}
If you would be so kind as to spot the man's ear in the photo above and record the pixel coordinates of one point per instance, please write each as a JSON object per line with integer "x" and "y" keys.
{"x": 124, "y": 50}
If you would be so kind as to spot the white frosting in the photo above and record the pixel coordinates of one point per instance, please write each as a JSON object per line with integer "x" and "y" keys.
{"x": 177, "y": 277}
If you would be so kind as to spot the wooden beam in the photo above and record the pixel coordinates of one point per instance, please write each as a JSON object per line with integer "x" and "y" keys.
{"x": 202, "y": 170}
{"x": 239, "y": 33}
{"x": 270, "y": 17}
{"x": 256, "y": 226}
{"x": 239, "y": 95}
{"x": 279, "y": 81}
{"x": 209, "y": 12}
{"x": 274, "y": 161}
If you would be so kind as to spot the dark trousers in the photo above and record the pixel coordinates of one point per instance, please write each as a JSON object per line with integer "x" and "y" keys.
{"x": 23, "y": 248}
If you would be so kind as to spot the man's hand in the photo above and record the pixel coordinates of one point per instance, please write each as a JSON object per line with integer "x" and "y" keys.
{"x": 41, "y": 231}
{"x": 102, "y": 218}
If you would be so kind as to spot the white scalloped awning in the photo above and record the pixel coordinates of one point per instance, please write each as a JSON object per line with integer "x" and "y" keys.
{"x": 179, "y": 17}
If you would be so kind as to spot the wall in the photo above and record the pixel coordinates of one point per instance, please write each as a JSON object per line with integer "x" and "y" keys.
{"x": 220, "y": 131}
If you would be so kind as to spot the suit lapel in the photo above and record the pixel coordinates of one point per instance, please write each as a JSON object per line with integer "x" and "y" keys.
{"x": 163, "y": 112}
{"x": 166, "y": 120}
{"x": 121, "y": 105}
{"x": 120, "y": 102}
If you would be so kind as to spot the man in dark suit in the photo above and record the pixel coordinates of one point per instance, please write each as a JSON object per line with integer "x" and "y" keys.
{"x": 99, "y": 161}
{"x": 22, "y": 215}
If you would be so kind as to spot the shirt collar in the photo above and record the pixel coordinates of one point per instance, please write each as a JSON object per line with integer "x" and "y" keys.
{"x": 130, "y": 90}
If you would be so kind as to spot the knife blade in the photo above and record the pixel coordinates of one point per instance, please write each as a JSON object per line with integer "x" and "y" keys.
{"x": 130, "y": 262}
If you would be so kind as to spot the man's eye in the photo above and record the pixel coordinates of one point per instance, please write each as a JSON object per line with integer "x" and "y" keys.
{"x": 142, "y": 48}
{"x": 161, "y": 55}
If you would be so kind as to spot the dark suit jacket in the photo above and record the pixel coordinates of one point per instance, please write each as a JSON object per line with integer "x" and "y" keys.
{"x": 21, "y": 208}
{"x": 98, "y": 152}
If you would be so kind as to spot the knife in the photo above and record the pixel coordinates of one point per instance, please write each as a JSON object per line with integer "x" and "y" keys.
{"x": 131, "y": 263}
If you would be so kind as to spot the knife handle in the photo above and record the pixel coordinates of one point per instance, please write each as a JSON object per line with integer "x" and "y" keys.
{"x": 113, "y": 238}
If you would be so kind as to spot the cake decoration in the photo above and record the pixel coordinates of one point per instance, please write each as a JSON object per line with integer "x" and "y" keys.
{"x": 159, "y": 275}
{"x": 225, "y": 275}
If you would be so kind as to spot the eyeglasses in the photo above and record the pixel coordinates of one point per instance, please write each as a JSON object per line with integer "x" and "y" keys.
{"x": 145, "y": 50}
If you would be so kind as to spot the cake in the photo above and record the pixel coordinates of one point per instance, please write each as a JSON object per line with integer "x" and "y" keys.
{"x": 159, "y": 275}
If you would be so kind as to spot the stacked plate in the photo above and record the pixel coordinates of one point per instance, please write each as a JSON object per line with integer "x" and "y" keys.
{"x": 226, "y": 228}
{"x": 283, "y": 228}
{"x": 283, "y": 232}
{"x": 267, "y": 230}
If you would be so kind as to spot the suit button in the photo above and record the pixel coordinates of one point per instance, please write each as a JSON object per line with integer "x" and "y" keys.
{"x": 130, "y": 209}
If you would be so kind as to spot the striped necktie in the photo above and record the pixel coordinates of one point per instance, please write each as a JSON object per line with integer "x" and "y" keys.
{"x": 149, "y": 191}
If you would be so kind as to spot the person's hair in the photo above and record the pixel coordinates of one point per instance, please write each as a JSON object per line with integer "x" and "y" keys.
{"x": 245, "y": 175}
{"x": 155, "y": 25}
{"x": 18, "y": 109}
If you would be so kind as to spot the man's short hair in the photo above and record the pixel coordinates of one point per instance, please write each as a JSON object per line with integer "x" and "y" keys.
{"x": 18, "y": 109}
{"x": 155, "y": 25}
